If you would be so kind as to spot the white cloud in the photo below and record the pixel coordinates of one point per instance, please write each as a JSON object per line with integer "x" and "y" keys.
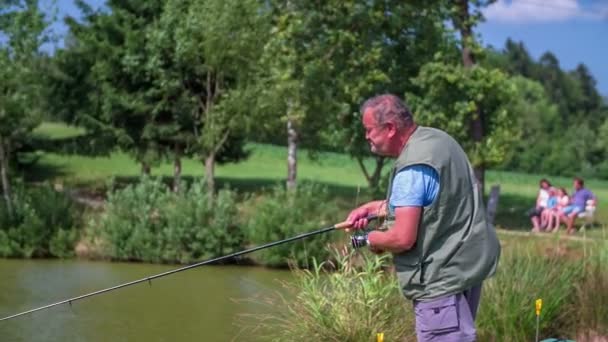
{"x": 540, "y": 11}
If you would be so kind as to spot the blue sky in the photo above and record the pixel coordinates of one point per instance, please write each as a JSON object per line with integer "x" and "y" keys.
{"x": 576, "y": 31}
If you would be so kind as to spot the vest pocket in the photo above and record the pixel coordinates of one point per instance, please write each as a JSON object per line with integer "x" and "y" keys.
{"x": 438, "y": 316}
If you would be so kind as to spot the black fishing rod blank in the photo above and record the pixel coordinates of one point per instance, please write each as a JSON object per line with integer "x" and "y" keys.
{"x": 341, "y": 225}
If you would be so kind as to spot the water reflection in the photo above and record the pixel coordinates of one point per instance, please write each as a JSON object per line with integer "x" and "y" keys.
{"x": 202, "y": 304}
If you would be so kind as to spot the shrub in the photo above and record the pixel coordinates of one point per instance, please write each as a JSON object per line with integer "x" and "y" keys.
{"x": 148, "y": 222}
{"x": 286, "y": 213}
{"x": 507, "y": 306}
{"x": 350, "y": 303}
{"x": 591, "y": 303}
{"x": 40, "y": 215}
{"x": 62, "y": 243}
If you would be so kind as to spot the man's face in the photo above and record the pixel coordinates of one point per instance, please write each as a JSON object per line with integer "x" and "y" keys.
{"x": 376, "y": 135}
{"x": 577, "y": 185}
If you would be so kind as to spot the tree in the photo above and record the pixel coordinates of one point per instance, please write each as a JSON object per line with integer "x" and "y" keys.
{"x": 162, "y": 79}
{"x": 537, "y": 120}
{"x": 202, "y": 55}
{"x": 464, "y": 22}
{"x": 519, "y": 61}
{"x": 290, "y": 71}
{"x": 22, "y": 24}
{"x": 591, "y": 104}
{"x": 105, "y": 58}
{"x": 325, "y": 58}
{"x": 451, "y": 97}
{"x": 377, "y": 47}
{"x": 564, "y": 142}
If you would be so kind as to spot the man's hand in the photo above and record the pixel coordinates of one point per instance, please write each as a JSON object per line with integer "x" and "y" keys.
{"x": 358, "y": 218}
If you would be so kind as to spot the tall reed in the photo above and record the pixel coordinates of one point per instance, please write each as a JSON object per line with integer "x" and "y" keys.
{"x": 343, "y": 300}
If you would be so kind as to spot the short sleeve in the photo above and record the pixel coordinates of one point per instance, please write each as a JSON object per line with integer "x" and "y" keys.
{"x": 414, "y": 186}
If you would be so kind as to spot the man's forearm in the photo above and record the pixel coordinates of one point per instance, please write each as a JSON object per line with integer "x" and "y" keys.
{"x": 402, "y": 235}
{"x": 387, "y": 241}
{"x": 376, "y": 207}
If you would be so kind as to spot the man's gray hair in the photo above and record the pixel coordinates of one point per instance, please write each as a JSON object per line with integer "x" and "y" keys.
{"x": 388, "y": 107}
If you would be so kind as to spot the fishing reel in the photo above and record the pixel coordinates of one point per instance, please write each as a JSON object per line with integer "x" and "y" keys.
{"x": 359, "y": 240}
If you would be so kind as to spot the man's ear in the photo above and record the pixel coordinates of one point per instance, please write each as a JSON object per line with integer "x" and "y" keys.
{"x": 391, "y": 129}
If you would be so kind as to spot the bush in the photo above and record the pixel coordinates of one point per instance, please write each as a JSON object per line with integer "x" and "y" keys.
{"x": 591, "y": 303}
{"x": 284, "y": 214}
{"x": 148, "y": 222}
{"x": 350, "y": 303}
{"x": 62, "y": 243}
{"x": 40, "y": 216}
{"x": 507, "y": 305}
{"x": 353, "y": 303}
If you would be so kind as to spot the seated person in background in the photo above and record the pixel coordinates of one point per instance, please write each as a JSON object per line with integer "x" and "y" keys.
{"x": 541, "y": 203}
{"x": 562, "y": 201}
{"x": 547, "y": 214}
{"x": 578, "y": 202}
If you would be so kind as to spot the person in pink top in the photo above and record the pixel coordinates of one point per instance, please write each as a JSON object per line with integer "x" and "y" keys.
{"x": 562, "y": 201}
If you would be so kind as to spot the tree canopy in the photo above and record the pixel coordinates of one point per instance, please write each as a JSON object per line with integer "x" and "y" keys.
{"x": 172, "y": 79}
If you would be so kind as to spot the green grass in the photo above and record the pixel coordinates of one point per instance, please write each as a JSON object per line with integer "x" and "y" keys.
{"x": 267, "y": 163}
{"x": 352, "y": 302}
{"x": 57, "y": 130}
{"x": 267, "y": 166}
{"x": 358, "y": 296}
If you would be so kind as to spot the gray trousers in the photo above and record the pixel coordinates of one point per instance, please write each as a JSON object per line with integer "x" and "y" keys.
{"x": 449, "y": 318}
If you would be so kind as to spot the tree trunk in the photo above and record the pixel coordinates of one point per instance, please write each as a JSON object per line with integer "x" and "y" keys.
{"x": 210, "y": 173}
{"x": 373, "y": 179}
{"x": 177, "y": 173}
{"x": 463, "y": 22}
{"x": 292, "y": 158}
{"x": 145, "y": 169}
{"x": 6, "y": 185}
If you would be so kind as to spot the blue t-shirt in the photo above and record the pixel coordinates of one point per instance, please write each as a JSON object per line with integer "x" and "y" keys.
{"x": 551, "y": 202}
{"x": 414, "y": 186}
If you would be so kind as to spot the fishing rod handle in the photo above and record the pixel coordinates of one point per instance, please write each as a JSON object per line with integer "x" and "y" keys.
{"x": 346, "y": 224}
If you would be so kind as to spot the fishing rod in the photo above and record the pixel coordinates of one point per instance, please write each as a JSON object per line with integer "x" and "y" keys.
{"x": 341, "y": 225}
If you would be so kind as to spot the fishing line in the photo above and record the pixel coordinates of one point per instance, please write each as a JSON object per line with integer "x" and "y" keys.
{"x": 149, "y": 279}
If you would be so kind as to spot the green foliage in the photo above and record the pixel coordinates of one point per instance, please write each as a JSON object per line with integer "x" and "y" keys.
{"x": 148, "y": 222}
{"x": 562, "y": 129}
{"x": 353, "y": 302}
{"x": 449, "y": 97}
{"x": 538, "y": 121}
{"x": 591, "y": 296}
{"x": 199, "y": 76}
{"x": 44, "y": 223}
{"x": 325, "y": 58}
{"x": 62, "y": 243}
{"x": 287, "y": 213}
{"x": 507, "y": 305}
{"x": 22, "y": 27}
{"x": 160, "y": 79}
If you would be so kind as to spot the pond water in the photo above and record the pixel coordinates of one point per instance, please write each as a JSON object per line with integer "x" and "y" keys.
{"x": 208, "y": 303}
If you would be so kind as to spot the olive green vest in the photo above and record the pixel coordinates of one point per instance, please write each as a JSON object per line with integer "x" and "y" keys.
{"x": 455, "y": 248}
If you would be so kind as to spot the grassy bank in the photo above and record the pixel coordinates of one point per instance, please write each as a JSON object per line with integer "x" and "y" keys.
{"x": 266, "y": 166}
{"x": 358, "y": 297}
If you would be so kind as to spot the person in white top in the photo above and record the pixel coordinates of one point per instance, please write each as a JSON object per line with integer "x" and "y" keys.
{"x": 541, "y": 204}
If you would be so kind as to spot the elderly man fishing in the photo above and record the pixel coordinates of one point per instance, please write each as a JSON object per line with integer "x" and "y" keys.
{"x": 436, "y": 222}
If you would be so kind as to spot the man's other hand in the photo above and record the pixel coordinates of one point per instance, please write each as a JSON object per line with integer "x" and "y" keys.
{"x": 358, "y": 218}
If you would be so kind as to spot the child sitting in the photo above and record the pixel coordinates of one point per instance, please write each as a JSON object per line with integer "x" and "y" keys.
{"x": 546, "y": 216}
{"x": 563, "y": 200}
